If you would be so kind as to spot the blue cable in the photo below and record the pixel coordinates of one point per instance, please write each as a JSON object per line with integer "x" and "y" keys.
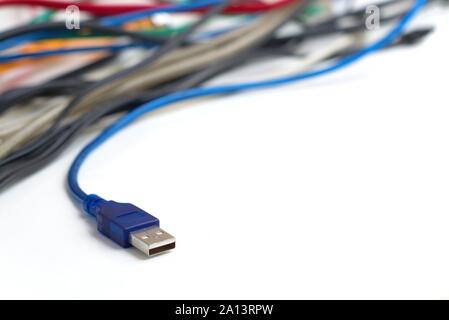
{"x": 13, "y": 42}
{"x": 82, "y": 199}
{"x": 132, "y": 16}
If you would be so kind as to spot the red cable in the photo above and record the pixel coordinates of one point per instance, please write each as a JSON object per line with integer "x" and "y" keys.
{"x": 107, "y": 10}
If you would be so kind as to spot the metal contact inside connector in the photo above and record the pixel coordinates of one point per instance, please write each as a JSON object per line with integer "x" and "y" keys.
{"x": 154, "y": 251}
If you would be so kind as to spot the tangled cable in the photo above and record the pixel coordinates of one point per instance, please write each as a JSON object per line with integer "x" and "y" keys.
{"x": 137, "y": 68}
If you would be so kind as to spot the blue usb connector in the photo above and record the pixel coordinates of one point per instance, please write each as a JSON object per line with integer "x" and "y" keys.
{"x": 128, "y": 225}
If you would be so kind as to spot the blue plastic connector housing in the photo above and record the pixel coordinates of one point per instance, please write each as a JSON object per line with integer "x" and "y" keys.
{"x": 118, "y": 220}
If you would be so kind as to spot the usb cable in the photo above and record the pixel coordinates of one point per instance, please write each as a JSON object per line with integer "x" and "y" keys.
{"x": 129, "y": 225}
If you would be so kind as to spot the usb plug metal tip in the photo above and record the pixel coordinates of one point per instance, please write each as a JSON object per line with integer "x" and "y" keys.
{"x": 152, "y": 241}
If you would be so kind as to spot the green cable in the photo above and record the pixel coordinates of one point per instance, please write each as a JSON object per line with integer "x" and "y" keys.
{"x": 165, "y": 31}
{"x": 313, "y": 10}
{"x": 45, "y": 16}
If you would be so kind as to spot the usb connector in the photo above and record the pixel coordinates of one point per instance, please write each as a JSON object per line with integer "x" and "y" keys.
{"x": 152, "y": 241}
{"x": 128, "y": 225}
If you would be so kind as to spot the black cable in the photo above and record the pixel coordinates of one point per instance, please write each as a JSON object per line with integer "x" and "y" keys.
{"x": 413, "y": 37}
{"x": 54, "y": 88}
{"x": 87, "y": 68}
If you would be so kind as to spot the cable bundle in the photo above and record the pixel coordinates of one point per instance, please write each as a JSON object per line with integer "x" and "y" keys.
{"x": 172, "y": 63}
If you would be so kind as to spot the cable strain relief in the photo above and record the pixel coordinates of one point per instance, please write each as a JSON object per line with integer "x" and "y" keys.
{"x": 90, "y": 204}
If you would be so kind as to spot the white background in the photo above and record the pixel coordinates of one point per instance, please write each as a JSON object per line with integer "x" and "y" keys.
{"x": 331, "y": 188}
